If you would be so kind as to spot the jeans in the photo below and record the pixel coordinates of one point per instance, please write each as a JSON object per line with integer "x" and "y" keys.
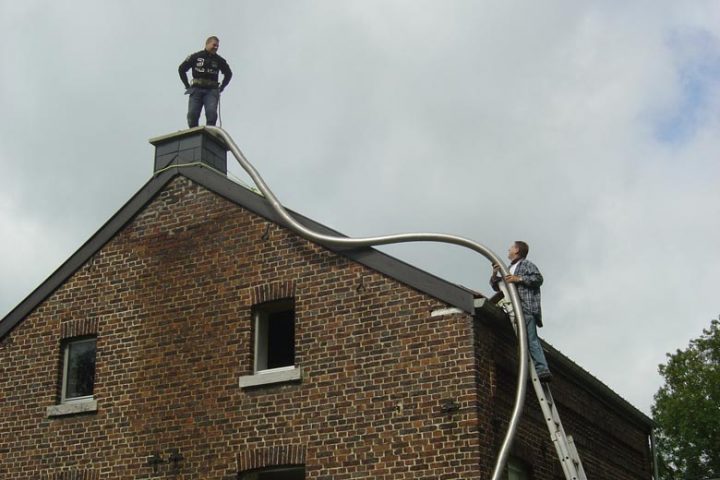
{"x": 536, "y": 351}
{"x": 199, "y": 98}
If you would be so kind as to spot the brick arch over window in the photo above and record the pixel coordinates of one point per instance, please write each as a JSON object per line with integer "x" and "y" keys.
{"x": 71, "y": 475}
{"x": 271, "y": 457}
{"x": 273, "y": 291}
{"x": 78, "y": 328}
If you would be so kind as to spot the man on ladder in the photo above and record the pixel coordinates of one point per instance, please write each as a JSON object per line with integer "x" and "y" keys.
{"x": 527, "y": 279}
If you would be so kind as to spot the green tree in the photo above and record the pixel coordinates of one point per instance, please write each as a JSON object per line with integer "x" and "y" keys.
{"x": 687, "y": 410}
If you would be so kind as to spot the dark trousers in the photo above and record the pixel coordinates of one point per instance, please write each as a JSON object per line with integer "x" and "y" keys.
{"x": 536, "y": 352}
{"x": 199, "y": 98}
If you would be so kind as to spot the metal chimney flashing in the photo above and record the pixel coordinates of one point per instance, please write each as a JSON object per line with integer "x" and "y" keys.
{"x": 195, "y": 145}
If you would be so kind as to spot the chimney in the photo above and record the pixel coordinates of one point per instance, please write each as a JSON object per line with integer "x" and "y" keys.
{"x": 196, "y": 145}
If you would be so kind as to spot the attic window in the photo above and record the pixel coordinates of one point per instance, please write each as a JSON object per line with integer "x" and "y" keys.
{"x": 274, "y": 335}
{"x": 281, "y": 473}
{"x": 274, "y": 344}
{"x": 78, "y": 382}
{"x": 78, "y": 378}
{"x": 517, "y": 469}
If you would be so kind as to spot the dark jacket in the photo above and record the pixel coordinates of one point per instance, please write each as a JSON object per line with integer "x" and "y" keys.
{"x": 205, "y": 67}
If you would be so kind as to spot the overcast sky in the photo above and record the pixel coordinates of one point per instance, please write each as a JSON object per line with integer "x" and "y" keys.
{"x": 588, "y": 129}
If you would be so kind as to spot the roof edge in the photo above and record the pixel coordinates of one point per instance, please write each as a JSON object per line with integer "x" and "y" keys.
{"x": 219, "y": 184}
{"x": 598, "y": 385}
{"x": 107, "y": 231}
{"x": 488, "y": 311}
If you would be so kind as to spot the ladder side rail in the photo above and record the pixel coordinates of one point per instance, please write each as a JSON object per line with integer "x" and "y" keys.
{"x": 576, "y": 457}
{"x": 555, "y": 427}
{"x": 564, "y": 446}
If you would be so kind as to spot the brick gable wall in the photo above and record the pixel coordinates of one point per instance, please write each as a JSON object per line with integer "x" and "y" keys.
{"x": 170, "y": 300}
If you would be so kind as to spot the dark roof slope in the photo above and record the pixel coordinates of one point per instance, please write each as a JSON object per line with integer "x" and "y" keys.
{"x": 486, "y": 310}
{"x": 602, "y": 391}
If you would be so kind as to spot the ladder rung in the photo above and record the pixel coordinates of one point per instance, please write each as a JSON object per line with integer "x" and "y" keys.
{"x": 564, "y": 444}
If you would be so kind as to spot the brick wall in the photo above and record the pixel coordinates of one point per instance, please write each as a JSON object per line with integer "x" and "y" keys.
{"x": 611, "y": 444}
{"x": 170, "y": 300}
{"x": 388, "y": 391}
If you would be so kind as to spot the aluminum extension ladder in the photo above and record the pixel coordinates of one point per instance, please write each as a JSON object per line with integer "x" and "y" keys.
{"x": 564, "y": 444}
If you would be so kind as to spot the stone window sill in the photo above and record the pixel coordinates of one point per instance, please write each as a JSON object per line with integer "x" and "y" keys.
{"x": 268, "y": 377}
{"x": 72, "y": 408}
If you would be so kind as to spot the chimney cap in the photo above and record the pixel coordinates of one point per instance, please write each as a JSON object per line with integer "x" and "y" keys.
{"x": 192, "y": 146}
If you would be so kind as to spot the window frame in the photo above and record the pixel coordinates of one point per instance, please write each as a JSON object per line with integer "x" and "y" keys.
{"x": 261, "y": 313}
{"x": 269, "y": 376}
{"x": 517, "y": 469}
{"x": 66, "y": 344}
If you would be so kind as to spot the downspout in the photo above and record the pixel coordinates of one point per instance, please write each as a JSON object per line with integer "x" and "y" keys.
{"x": 653, "y": 452}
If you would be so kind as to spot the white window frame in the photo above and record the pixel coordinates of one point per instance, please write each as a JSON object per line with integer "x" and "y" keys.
{"x": 261, "y": 331}
{"x": 265, "y": 376}
{"x": 66, "y": 358}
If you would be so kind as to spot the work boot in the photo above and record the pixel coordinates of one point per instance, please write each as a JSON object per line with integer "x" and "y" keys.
{"x": 545, "y": 377}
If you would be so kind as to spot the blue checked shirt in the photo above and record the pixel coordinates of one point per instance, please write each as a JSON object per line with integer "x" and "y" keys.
{"x": 528, "y": 289}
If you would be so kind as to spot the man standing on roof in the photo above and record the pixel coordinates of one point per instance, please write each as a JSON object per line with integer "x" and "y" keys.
{"x": 527, "y": 279}
{"x": 205, "y": 89}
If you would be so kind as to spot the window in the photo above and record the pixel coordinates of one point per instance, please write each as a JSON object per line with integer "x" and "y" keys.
{"x": 274, "y": 345}
{"x": 281, "y": 473}
{"x": 275, "y": 335}
{"x": 517, "y": 470}
{"x": 78, "y": 380}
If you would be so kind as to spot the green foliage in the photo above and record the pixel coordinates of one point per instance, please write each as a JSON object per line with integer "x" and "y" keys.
{"x": 687, "y": 410}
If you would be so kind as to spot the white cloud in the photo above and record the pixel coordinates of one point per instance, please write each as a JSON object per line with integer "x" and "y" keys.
{"x": 494, "y": 120}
